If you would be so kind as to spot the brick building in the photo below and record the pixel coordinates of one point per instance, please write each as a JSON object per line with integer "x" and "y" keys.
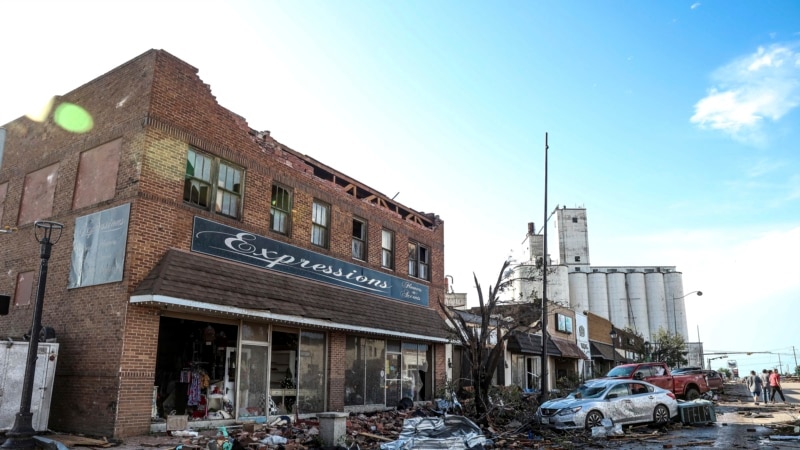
{"x": 209, "y": 266}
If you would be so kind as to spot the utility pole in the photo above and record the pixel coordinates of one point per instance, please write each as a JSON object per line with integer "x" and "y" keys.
{"x": 544, "y": 394}
{"x": 795, "y": 360}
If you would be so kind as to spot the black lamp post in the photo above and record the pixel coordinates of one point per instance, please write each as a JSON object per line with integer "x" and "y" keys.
{"x": 613, "y": 335}
{"x": 647, "y": 351}
{"x": 20, "y": 437}
{"x": 675, "y": 310}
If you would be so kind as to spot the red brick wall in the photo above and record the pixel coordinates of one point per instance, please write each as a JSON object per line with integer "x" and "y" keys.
{"x": 336, "y": 368}
{"x": 158, "y": 106}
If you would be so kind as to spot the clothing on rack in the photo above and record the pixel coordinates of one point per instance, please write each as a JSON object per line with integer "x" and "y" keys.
{"x": 199, "y": 381}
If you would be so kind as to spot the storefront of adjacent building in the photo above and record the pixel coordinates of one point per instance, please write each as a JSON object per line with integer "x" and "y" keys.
{"x": 207, "y": 269}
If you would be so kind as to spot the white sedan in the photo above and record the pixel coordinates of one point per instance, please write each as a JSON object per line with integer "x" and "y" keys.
{"x": 623, "y": 401}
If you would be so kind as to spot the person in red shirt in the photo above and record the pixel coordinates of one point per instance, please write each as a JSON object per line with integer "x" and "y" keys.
{"x": 775, "y": 385}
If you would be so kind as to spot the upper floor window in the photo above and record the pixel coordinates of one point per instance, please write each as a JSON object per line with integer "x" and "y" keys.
{"x": 211, "y": 178}
{"x": 280, "y": 212}
{"x": 387, "y": 249}
{"x": 418, "y": 262}
{"x": 38, "y": 194}
{"x": 359, "y": 239}
{"x": 320, "y": 223}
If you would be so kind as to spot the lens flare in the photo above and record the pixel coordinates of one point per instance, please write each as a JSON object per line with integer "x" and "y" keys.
{"x": 73, "y": 118}
{"x": 43, "y": 112}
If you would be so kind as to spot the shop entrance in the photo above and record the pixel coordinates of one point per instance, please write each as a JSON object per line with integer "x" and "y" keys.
{"x": 195, "y": 369}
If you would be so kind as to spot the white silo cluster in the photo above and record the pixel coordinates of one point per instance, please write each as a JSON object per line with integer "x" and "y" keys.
{"x": 642, "y": 298}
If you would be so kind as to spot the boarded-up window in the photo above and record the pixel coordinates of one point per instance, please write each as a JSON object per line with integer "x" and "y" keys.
{"x": 3, "y": 192}
{"x": 37, "y": 196}
{"x": 97, "y": 175}
{"x": 22, "y": 296}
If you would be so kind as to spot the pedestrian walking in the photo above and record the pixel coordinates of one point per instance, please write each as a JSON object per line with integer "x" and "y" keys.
{"x": 765, "y": 388}
{"x": 754, "y": 384}
{"x": 775, "y": 385}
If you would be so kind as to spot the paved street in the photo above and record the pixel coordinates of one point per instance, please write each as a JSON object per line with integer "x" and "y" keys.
{"x": 740, "y": 424}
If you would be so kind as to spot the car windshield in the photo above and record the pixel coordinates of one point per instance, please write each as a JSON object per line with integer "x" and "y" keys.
{"x": 584, "y": 391}
{"x": 621, "y": 371}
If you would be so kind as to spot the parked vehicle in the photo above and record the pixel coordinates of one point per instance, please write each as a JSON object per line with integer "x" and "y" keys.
{"x": 714, "y": 379}
{"x": 688, "y": 386}
{"x": 621, "y": 400}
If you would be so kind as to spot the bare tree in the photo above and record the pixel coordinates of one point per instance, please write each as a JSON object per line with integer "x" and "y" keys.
{"x": 484, "y": 340}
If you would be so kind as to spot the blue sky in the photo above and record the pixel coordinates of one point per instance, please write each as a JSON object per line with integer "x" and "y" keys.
{"x": 674, "y": 123}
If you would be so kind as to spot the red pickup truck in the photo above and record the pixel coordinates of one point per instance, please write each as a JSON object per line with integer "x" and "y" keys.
{"x": 688, "y": 386}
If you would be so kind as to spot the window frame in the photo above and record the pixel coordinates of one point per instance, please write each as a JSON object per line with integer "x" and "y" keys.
{"x": 419, "y": 261}
{"x": 287, "y": 212}
{"x": 387, "y": 262}
{"x": 320, "y": 228}
{"x": 216, "y": 195}
{"x": 362, "y": 240}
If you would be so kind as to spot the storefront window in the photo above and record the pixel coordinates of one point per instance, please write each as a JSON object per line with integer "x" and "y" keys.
{"x": 415, "y": 371}
{"x": 393, "y": 373}
{"x": 375, "y": 356}
{"x": 355, "y": 367}
{"x": 311, "y": 373}
{"x": 283, "y": 370}
{"x": 253, "y": 399}
{"x": 365, "y": 371}
{"x": 258, "y": 332}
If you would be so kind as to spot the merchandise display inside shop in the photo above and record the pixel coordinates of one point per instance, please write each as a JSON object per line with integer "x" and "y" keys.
{"x": 204, "y": 373}
{"x": 195, "y": 369}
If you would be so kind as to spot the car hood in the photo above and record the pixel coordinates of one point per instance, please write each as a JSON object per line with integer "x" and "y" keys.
{"x": 561, "y": 403}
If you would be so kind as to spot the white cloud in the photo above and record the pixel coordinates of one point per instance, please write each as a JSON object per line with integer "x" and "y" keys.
{"x": 763, "y": 167}
{"x": 695, "y": 5}
{"x": 750, "y": 91}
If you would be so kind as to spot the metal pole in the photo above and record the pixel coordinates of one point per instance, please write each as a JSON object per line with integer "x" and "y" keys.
{"x": 20, "y": 437}
{"x": 544, "y": 384}
{"x": 795, "y": 360}
{"x": 674, "y": 315}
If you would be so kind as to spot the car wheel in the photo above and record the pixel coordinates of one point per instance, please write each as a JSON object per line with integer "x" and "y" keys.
{"x": 692, "y": 394}
{"x": 661, "y": 415}
{"x": 593, "y": 419}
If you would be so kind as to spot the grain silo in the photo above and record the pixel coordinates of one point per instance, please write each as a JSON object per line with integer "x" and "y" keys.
{"x": 656, "y": 304}
{"x": 579, "y": 292}
{"x": 618, "y": 300}
{"x": 637, "y": 297}
{"x": 598, "y": 294}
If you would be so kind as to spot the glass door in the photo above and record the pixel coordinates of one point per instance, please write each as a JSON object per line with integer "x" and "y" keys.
{"x": 394, "y": 375}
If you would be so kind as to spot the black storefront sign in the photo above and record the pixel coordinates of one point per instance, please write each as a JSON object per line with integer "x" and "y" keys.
{"x": 222, "y": 241}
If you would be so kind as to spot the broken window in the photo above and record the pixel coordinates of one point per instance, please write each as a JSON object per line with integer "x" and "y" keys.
{"x": 418, "y": 261}
{"x": 281, "y": 209}
{"x": 359, "y": 239}
{"x": 320, "y": 223}
{"x": 210, "y": 178}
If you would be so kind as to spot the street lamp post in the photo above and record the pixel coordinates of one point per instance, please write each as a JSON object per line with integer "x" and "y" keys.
{"x": 20, "y": 437}
{"x": 613, "y": 335}
{"x": 675, "y": 309}
{"x": 544, "y": 376}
